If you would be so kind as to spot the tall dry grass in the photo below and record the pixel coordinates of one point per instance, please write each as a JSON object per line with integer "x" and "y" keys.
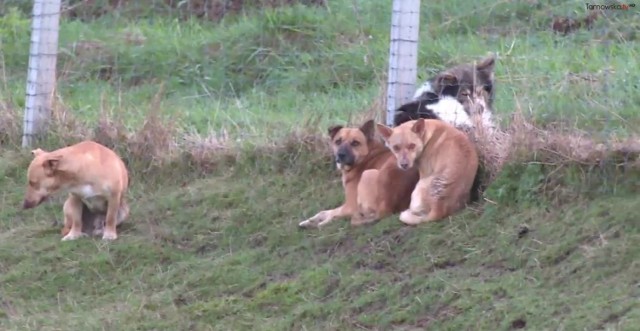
{"x": 159, "y": 143}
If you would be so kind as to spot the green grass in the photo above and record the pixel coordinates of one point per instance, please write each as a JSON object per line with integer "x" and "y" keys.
{"x": 220, "y": 249}
{"x": 224, "y": 253}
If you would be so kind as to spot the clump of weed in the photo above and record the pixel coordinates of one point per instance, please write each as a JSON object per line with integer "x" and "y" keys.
{"x": 526, "y": 162}
{"x": 10, "y": 120}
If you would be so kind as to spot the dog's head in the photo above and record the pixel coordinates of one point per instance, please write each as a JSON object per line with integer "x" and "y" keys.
{"x": 43, "y": 177}
{"x": 462, "y": 81}
{"x": 405, "y": 141}
{"x": 351, "y": 145}
{"x": 477, "y": 105}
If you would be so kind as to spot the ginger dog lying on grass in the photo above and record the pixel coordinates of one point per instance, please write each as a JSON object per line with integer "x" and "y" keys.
{"x": 447, "y": 162}
{"x": 96, "y": 179}
{"x": 373, "y": 186}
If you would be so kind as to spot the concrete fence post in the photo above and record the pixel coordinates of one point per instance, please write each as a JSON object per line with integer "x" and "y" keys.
{"x": 403, "y": 54}
{"x": 41, "y": 75}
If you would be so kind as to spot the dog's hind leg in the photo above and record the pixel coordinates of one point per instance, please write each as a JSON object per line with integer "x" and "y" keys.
{"x": 369, "y": 206}
{"x": 445, "y": 199}
{"x": 438, "y": 211}
{"x": 72, "y": 210}
{"x": 417, "y": 211}
{"x": 113, "y": 209}
{"x": 98, "y": 220}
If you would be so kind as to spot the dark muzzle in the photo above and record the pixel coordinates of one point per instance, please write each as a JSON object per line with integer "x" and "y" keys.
{"x": 28, "y": 204}
{"x": 345, "y": 156}
{"x": 404, "y": 165}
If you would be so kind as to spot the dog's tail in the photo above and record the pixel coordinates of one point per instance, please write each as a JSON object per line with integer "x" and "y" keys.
{"x": 476, "y": 187}
{"x": 412, "y": 111}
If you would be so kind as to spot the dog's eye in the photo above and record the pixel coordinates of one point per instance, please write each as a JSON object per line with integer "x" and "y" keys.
{"x": 338, "y": 141}
{"x": 32, "y": 183}
{"x": 464, "y": 93}
{"x": 396, "y": 148}
{"x": 411, "y": 147}
{"x": 355, "y": 143}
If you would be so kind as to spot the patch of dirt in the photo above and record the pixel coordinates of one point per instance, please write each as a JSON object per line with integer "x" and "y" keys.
{"x": 345, "y": 246}
{"x": 206, "y": 248}
{"x": 443, "y": 313}
{"x": 613, "y": 318}
{"x": 491, "y": 270}
{"x": 251, "y": 292}
{"x": 520, "y": 323}
{"x": 257, "y": 240}
{"x": 376, "y": 265}
{"x": 332, "y": 286}
{"x": 563, "y": 256}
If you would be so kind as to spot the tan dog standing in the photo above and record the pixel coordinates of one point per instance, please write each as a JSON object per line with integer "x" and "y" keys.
{"x": 373, "y": 185}
{"x": 96, "y": 179}
{"x": 447, "y": 162}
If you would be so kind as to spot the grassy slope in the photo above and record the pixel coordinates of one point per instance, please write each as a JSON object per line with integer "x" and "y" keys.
{"x": 223, "y": 252}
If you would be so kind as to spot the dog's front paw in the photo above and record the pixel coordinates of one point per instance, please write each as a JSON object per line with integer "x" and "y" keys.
{"x": 73, "y": 235}
{"x": 109, "y": 235}
{"x": 314, "y": 222}
{"x": 310, "y": 223}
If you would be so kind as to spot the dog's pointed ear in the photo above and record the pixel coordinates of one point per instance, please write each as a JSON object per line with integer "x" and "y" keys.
{"x": 447, "y": 79}
{"x": 418, "y": 126}
{"x": 487, "y": 64}
{"x": 384, "y": 131}
{"x": 37, "y": 152}
{"x": 51, "y": 164}
{"x": 333, "y": 130}
{"x": 369, "y": 129}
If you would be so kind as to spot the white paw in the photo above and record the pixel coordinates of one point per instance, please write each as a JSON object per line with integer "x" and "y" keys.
{"x": 73, "y": 236}
{"x": 408, "y": 217}
{"x": 405, "y": 215}
{"x": 107, "y": 235}
{"x": 307, "y": 224}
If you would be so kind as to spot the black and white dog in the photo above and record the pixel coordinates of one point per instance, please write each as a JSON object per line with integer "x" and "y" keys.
{"x": 462, "y": 96}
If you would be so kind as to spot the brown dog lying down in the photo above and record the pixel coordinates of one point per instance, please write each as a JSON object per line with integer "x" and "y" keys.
{"x": 96, "y": 179}
{"x": 374, "y": 186}
{"x": 447, "y": 162}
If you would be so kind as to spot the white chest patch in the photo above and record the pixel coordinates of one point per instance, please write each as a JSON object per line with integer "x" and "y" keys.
{"x": 84, "y": 191}
{"x": 91, "y": 198}
{"x": 451, "y": 111}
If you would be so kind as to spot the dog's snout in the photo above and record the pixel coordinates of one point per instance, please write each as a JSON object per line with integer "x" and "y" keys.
{"x": 344, "y": 156}
{"x": 403, "y": 163}
{"x": 29, "y": 203}
{"x": 26, "y": 204}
